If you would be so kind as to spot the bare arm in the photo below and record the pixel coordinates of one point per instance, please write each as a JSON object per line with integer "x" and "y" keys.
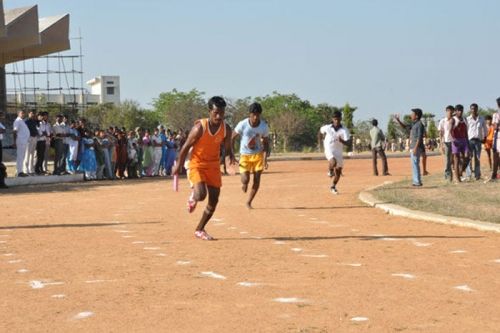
{"x": 267, "y": 151}
{"x": 233, "y": 139}
{"x": 193, "y": 137}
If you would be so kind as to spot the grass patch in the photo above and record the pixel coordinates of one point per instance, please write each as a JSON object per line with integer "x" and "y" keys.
{"x": 474, "y": 200}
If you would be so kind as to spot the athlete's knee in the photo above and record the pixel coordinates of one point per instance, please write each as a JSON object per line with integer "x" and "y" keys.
{"x": 200, "y": 194}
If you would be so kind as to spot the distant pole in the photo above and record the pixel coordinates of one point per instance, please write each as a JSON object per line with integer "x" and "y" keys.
{"x": 3, "y": 94}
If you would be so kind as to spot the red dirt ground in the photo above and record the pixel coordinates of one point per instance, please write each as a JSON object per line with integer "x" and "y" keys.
{"x": 125, "y": 252}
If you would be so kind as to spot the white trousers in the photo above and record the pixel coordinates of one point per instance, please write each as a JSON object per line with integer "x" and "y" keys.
{"x": 29, "y": 157}
{"x": 156, "y": 160}
{"x": 20, "y": 154}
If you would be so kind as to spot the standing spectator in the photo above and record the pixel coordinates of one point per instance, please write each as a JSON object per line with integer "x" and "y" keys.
{"x": 121, "y": 154}
{"x": 88, "y": 164}
{"x": 59, "y": 130}
{"x": 148, "y": 154}
{"x": 45, "y": 116}
{"x": 476, "y": 131}
{"x": 29, "y": 158}
{"x": 73, "y": 143}
{"x": 104, "y": 143}
{"x": 2, "y": 132}
{"x": 132, "y": 155}
{"x": 459, "y": 143}
{"x": 139, "y": 134}
{"x": 99, "y": 156}
{"x": 496, "y": 144}
{"x": 171, "y": 153}
{"x": 488, "y": 141}
{"x": 157, "y": 151}
{"x": 444, "y": 128}
{"x": 416, "y": 143}
{"x": 21, "y": 137}
{"x": 41, "y": 144}
{"x": 377, "y": 145}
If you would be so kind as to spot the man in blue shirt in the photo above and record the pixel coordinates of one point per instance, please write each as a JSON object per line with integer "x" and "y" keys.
{"x": 254, "y": 148}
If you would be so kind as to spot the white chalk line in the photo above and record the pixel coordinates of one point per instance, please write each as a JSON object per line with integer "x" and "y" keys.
{"x": 404, "y": 275}
{"x": 359, "y": 319}
{"x": 464, "y": 288}
{"x": 22, "y": 270}
{"x": 15, "y": 261}
{"x": 296, "y": 249}
{"x": 36, "y": 284}
{"x": 354, "y": 264}
{"x": 213, "y": 275}
{"x": 98, "y": 281}
{"x": 458, "y": 251}
{"x": 58, "y": 296}
{"x": 279, "y": 243}
{"x": 290, "y": 300}
{"x": 154, "y": 248}
{"x": 183, "y": 262}
{"x": 249, "y": 284}
{"x": 315, "y": 255}
{"x": 83, "y": 315}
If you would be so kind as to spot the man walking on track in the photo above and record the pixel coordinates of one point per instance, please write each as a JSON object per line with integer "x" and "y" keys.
{"x": 205, "y": 138}
{"x": 254, "y": 149}
{"x": 377, "y": 145}
{"x": 335, "y": 136}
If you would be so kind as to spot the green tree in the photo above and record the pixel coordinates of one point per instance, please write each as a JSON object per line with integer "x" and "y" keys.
{"x": 348, "y": 121}
{"x": 432, "y": 132}
{"x": 178, "y": 110}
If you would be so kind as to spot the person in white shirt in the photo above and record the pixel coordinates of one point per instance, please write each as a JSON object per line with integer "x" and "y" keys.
{"x": 334, "y": 136}
{"x": 48, "y": 137}
{"x": 29, "y": 158}
{"x": 496, "y": 144}
{"x": 476, "y": 130}
{"x": 21, "y": 137}
{"x": 444, "y": 128}
{"x": 254, "y": 149}
{"x": 2, "y": 132}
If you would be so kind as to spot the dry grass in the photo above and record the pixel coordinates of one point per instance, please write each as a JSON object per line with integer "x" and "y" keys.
{"x": 474, "y": 200}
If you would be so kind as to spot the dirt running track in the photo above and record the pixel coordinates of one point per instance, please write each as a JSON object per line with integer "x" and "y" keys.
{"x": 121, "y": 257}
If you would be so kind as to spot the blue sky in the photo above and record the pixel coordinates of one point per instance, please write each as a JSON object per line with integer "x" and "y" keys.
{"x": 382, "y": 56}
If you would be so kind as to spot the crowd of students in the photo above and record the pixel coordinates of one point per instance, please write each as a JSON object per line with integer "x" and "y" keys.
{"x": 112, "y": 153}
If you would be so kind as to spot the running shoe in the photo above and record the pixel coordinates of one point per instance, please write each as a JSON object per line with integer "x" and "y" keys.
{"x": 191, "y": 203}
{"x": 334, "y": 190}
{"x": 330, "y": 173}
{"x": 202, "y": 234}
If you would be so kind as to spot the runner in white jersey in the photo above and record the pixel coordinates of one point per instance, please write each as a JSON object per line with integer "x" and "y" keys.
{"x": 334, "y": 136}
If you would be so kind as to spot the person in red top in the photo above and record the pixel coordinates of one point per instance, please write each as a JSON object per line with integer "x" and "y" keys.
{"x": 459, "y": 142}
{"x": 205, "y": 138}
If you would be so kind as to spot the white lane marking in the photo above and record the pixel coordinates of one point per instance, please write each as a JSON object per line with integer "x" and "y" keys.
{"x": 350, "y": 264}
{"x": 22, "y": 270}
{"x": 458, "y": 251}
{"x": 35, "y": 284}
{"x": 256, "y": 237}
{"x": 290, "y": 300}
{"x": 216, "y": 220}
{"x": 128, "y": 236}
{"x": 138, "y": 242}
{"x": 296, "y": 249}
{"x": 497, "y": 261}
{"x": 58, "y": 296}
{"x": 123, "y": 231}
{"x": 83, "y": 315}
{"x": 183, "y": 262}
{"x": 301, "y": 215}
{"x": 232, "y": 228}
{"x": 464, "y": 288}
{"x": 315, "y": 255}
{"x": 243, "y": 232}
{"x": 389, "y": 239}
{"x": 152, "y": 248}
{"x": 359, "y": 319}
{"x": 8, "y": 254}
{"x": 14, "y": 261}
{"x": 404, "y": 275}
{"x": 213, "y": 275}
{"x": 161, "y": 254}
{"x": 249, "y": 284}
{"x": 99, "y": 281}
{"x": 419, "y": 244}
{"x": 279, "y": 243}
{"x": 313, "y": 218}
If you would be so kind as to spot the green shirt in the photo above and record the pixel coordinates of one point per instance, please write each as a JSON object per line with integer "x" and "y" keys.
{"x": 377, "y": 137}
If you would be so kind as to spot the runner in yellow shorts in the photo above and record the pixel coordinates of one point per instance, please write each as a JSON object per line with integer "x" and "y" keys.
{"x": 254, "y": 149}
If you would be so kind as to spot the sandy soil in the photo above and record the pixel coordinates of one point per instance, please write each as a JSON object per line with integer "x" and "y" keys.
{"x": 121, "y": 257}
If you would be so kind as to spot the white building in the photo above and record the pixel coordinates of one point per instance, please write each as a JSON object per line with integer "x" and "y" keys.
{"x": 103, "y": 89}
{"x": 107, "y": 88}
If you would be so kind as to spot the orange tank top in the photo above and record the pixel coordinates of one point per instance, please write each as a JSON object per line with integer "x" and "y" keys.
{"x": 489, "y": 136}
{"x": 206, "y": 150}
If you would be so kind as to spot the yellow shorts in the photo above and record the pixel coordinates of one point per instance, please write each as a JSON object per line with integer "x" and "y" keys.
{"x": 211, "y": 177}
{"x": 252, "y": 163}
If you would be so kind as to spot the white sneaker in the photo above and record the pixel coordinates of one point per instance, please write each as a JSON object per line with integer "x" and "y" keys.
{"x": 333, "y": 190}
{"x": 329, "y": 173}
